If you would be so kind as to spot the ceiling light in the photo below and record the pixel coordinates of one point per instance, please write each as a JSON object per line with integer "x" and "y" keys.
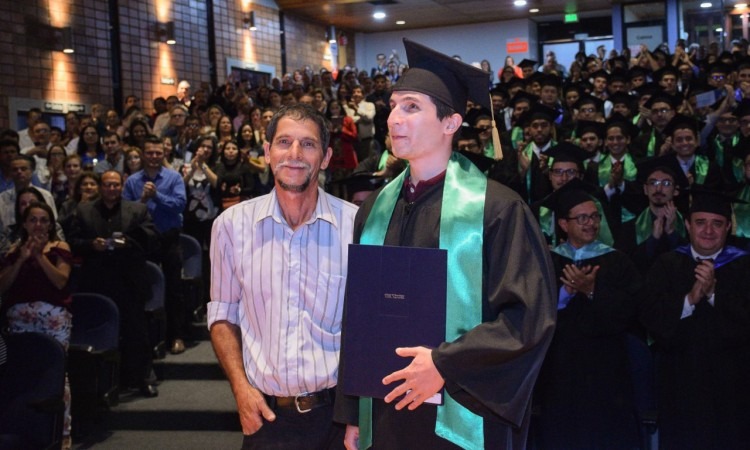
{"x": 534, "y": 10}
{"x": 740, "y": 5}
{"x": 706, "y": 5}
{"x": 379, "y": 15}
{"x": 400, "y": 22}
{"x": 520, "y": 2}
{"x": 719, "y": 30}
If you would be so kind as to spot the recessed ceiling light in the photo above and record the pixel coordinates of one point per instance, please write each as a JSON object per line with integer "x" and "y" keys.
{"x": 400, "y": 22}
{"x": 706, "y": 5}
{"x": 520, "y": 2}
{"x": 379, "y": 15}
{"x": 741, "y": 5}
{"x": 534, "y": 10}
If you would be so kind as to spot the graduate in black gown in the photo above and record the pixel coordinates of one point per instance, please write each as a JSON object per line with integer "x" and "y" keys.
{"x": 697, "y": 309}
{"x": 585, "y": 390}
{"x": 488, "y": 365}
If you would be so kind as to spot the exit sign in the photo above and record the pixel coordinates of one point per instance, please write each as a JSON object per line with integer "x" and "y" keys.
{"x": 571, "y": 18}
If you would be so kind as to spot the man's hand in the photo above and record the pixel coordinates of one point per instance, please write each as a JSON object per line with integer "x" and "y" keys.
{"x": 704, "y": 282}
{"x": 581, "y": 279}
{"x": 616, "y": 174}
{"x": 523, "y": 160}
{"x": 351, "y": 438}
{"x": 253, "y": 409}
{"x": 421, "y": 378}
{"x": 670, "y": 217}
{"x": 149, "y": 191}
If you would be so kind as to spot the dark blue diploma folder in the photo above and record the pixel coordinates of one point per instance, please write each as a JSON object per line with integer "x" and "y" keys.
{"x": 395, "y": 298}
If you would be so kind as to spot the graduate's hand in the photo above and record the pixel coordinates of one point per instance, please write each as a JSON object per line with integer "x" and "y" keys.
{"x": 421, "y": 378}
{"x": 704, "y": 282}
{"x": 351, "y": 438}
{"x": 670, "y": 217}
{"x": 523, "y": 161}
{"x": 666, "y": 147}
{"x": 252, "y": 408}
{"x": 581, "y": 279}
{"x": 616, "y": 174}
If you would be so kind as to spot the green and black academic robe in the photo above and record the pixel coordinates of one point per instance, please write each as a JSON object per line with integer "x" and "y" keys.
{"x": 704, "y": 359}
{"x": 492, "y": 368}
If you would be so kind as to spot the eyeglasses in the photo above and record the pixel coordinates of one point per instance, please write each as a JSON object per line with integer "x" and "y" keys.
{"x": 655, "y": 182}
{"x": 588, "y": 110}
{"x": 718, "y": 77}
{"x": 583, "y": 219}
{"x": 568, "y": 172}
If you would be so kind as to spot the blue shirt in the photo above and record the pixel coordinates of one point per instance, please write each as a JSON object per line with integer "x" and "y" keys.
{"x": 167, "y": 205}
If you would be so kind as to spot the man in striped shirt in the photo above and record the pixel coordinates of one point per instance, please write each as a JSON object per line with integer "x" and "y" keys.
{"x": 277, "y": 288}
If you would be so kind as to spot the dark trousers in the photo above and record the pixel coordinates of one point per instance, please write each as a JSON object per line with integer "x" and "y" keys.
{"x": 314, "y": 430}
{"x": 170, "y": 258}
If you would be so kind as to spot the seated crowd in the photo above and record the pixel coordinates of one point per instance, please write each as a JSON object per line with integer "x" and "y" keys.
{"x": 630, "y": 162}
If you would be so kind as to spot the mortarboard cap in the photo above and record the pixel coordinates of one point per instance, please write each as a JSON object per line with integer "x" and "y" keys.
{"x": 527, "y": 63}
{"x": 523, "y": 96}
{"x": 667, "y": 70}
{"x": 622, "y": 98}
{"x": 443, "y": 78}
{"x": 742, "y": 109}
{"x": 539, "y": 112}
{"x": 704, "y": 200}
{"x": 572, "y": 194}
{"x": 662, "y": 97}
{"x": 619, "y": 75}
{"x": 568, "y": 152}
{"x": 588, "y": 126}
{"x": 601, "y": 73}
{"x": 636, "y": 72}
{"x": 619, "y": 121}
{"x": 667, "y": 164}
{"x": 590, "y": 100}
{"x": 680, "y": 122}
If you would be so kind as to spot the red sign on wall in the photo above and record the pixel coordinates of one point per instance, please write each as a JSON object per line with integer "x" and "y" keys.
{"x": 516, "y": 45}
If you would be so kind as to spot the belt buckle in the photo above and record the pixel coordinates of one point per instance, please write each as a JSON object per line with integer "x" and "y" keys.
{"x": 296, "y": 403}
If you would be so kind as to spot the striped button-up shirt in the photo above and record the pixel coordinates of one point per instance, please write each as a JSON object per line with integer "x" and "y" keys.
{"x": 284, "y": 288}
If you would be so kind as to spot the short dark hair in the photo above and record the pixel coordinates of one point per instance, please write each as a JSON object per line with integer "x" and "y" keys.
{"x": 27, "y": 190}
{"x": 152, "y": 139}
{"x": 112, "y": 134}
{"x": 443, "y": 109}
{"x": 299, "y": 112}
{"x": 27, "y": 158}
{"x": 10, "y": 143}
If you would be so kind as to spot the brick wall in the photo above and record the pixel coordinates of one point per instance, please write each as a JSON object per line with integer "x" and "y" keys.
{"x": 31, "y": 70}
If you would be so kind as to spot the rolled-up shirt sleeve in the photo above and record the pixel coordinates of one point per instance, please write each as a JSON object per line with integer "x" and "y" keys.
{"x": 225, "y": 286}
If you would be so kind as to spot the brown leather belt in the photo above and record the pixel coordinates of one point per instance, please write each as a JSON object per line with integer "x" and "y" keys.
{"x": 303, "y": 403}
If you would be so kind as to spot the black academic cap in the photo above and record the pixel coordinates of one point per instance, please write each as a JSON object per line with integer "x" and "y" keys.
{"x": 667, "y": 70}
{"x": 516, "y": 82}
{"x": 647, "y": 89}
{"x": 662, "y": 97}
{"x": 589, "y": 100}
{"x": 679, "y": 122}
{"x": 535, "y": 77}
{"x": 622, "y": 98}
{"x": 704, "y": 200}
{"x": 586, "y": 126}
{"x": 527, "y": 63}
{"x": 443, "y": 78}
{"x": 539, "y": 111}
{"x": 619, "y": 75}
{"x": 637, "y": 72}
{"x": 572, "y": 87}
{"x": 524, "y": 96}
{"x": 572, "y": 194}
{"x": 568, "y": 152}
{"x": 742, "y": 109}
{"x": 482, "y": 162}
{"x": 601, "y": 73}
{"x": 550, "y": 80}
{"x": 623, "y": 123}
{"x": 718, "y": 67}
{"x": 468, "y": 132}
{"x": 667, "y": 164}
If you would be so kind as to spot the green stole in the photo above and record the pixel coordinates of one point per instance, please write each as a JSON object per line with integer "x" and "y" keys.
{"x": 516, "y": 134}
{"x": 701, "y": 169}
{"x": 738, "y": 169}
{"x": 719, "y": 156}
{"x": 462, "y": 234}
{"x": 588, "y": 251}
{"x": 605, "y": 167}
{"x": 489, "y": 150}
{"x": 651, "y": 148}
{"x": 529, "y": 152}
{"x": 383, "y": 160}
{"x": 644, "y": 224}
{"x": 742, "y": 213}
{"x": 547, "y": 224}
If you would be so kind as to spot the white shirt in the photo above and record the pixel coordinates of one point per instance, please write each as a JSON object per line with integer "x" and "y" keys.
{"x": 284, "y": 288}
